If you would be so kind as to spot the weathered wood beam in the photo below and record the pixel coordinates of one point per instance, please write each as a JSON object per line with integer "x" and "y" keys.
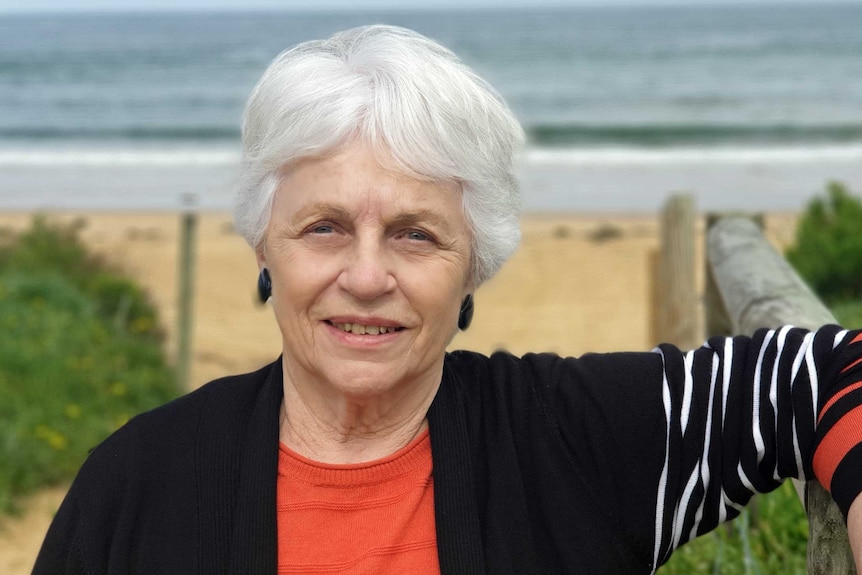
{"x": 760, "y": 289}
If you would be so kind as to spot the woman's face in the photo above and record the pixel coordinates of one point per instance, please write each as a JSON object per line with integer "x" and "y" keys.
{"x": 368, "y": 269}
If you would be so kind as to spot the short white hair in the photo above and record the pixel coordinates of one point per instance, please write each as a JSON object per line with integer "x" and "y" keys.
{"x": 420, "y": 109}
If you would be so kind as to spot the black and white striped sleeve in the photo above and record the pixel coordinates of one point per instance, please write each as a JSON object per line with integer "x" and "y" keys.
{"x": 742, "y": 414}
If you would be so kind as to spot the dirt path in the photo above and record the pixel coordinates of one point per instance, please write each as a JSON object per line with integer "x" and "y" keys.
{"x": 20, "y": 537}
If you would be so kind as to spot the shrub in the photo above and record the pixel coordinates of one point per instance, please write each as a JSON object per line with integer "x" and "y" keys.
{"x": 828, "y": 249}
{"x": 81, "y": 354}
{"x": 54, "y": 248}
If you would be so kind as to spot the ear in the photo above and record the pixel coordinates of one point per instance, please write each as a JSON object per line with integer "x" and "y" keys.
{"x": 469, "y": 289}
{"x": 260, "y": 255}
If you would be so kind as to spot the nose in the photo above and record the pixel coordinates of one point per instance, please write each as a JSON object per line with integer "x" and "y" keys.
{"x": 367, "y": 273}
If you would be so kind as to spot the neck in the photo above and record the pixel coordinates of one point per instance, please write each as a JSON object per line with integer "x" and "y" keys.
{"x": 342, "y": 430}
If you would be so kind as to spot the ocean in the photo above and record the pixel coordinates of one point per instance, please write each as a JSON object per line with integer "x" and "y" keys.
{"x": 747, "y": 107}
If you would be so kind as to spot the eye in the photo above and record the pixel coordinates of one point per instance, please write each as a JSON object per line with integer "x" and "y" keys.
{"x": 417, "y": 236}
{"x": 321, "y": 229}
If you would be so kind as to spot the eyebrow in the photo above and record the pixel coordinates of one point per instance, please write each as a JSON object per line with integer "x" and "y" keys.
{"x": 420, "y": 216}
{"x": 331, "y": 211}
{"x": 321, "y": 209}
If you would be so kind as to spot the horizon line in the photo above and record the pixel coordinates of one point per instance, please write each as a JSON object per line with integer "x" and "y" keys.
{"x": 460, "y": 7}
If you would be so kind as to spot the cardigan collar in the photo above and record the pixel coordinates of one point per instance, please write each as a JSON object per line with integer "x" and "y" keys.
{"x": 459, "y": 535}
{"x": 253, "y": 537}
{"x": 254, "y": 541}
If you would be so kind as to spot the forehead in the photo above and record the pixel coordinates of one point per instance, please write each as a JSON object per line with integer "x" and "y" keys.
{"x": 354, "y": 182}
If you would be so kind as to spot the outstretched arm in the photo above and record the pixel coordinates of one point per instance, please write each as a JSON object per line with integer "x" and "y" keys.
{"x": 801, "y": 417}
{"x": 678, "y": 442}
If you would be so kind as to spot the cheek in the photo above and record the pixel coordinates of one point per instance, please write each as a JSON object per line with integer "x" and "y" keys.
{"x": 296, "y": 283}
{"x": 437, "y": 293}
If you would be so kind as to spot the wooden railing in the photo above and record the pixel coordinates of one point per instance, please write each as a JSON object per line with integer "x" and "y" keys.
{"x": 758, "y": 288}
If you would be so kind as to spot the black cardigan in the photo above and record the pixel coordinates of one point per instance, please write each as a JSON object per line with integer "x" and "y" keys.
{"x": 541, "y": 464}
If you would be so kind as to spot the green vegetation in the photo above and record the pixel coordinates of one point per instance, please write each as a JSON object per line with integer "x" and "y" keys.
{"x": 81, "y": 352}
{"x": 848, "y": 313}
{"x": 773, "y": 543}
{"x": 828, "y": 249}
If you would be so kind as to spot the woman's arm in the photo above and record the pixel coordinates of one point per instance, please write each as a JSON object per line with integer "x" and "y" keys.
{"x": 811, "y": 399}
{"x": 698, "y": 433}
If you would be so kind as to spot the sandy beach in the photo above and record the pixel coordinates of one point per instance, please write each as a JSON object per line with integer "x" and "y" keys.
{"x": 579, "y": 282}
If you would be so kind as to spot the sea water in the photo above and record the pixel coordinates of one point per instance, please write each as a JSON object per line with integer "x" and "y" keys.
{"x": 747, "y": 107}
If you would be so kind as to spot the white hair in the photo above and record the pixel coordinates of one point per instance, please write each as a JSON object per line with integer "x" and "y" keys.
{"x": 420, "y": 109}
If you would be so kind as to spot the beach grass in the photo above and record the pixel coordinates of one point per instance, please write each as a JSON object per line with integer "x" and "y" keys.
{"x": 81, "y": 354}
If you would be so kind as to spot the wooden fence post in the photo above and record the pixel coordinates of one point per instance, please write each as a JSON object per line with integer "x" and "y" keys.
{"x": 760, "y": 289}
{"x": 676, "y": 319}
{"x": 186, "y": 276}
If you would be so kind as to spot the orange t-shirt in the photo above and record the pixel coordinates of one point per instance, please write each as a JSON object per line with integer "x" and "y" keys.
{"x": 374, "y": 517}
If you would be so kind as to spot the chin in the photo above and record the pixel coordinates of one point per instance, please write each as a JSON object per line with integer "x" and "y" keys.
{"x": 366, "y": 381}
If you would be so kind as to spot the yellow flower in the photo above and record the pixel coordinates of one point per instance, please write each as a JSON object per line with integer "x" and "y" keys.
{"x": 58, "y": 441}
{"x": 72, "y": 411}
{"x": 52, "y": 437}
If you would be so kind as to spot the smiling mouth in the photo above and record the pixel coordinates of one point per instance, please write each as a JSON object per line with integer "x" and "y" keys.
{"x": 359, "y": 329}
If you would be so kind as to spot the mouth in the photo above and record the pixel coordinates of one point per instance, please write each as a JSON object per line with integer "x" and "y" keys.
{"x": 360, "y": 329}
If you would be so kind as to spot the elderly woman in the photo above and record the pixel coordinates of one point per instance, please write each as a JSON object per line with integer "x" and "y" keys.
{"x": 377, "y": 192}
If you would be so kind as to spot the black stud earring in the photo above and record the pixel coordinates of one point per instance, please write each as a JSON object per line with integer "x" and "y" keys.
{"x": 264, "y": 285}
{"x": 465, "y": 316}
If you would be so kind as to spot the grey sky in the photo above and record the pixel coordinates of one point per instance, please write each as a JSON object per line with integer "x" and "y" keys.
{"x": 77, "y": 5}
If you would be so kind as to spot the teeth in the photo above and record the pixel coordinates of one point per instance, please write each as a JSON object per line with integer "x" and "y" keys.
{"x": 364, "y": 329}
